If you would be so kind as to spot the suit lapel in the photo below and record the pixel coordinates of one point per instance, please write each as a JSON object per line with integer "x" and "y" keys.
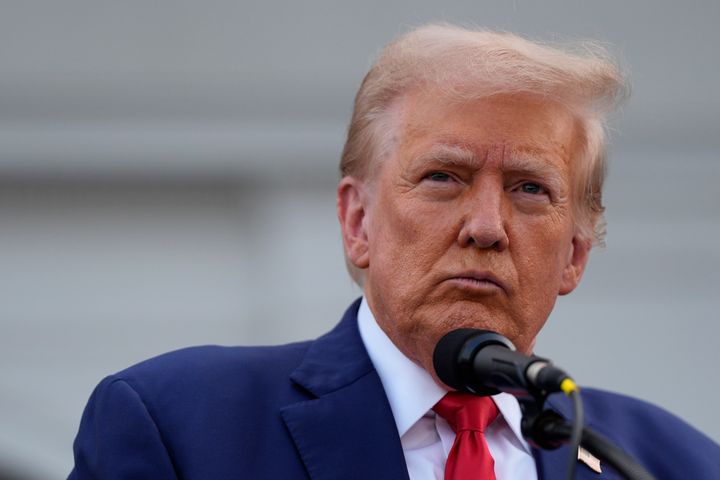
{"x": 348, "y": 430}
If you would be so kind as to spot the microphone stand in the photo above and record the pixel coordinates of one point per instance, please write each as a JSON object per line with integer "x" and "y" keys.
{"x": 548, "y": 430}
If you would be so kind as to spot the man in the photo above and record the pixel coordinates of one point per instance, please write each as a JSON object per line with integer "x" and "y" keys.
{"x": 470, "y": 197}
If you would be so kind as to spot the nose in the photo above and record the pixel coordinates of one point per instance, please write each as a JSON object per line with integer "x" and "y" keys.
{"x": 484, "y": 222}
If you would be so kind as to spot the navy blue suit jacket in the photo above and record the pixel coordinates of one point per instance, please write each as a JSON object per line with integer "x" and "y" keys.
{"x": 312, "y": 410}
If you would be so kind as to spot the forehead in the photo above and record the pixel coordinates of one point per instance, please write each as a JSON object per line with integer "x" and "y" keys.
{"x": 517, "y": 128}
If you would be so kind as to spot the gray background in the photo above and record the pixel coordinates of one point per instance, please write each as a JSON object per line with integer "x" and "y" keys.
{"x": 167, "y": 174}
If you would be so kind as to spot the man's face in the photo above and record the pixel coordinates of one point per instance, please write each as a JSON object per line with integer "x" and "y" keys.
{"x": 468, "y": 223}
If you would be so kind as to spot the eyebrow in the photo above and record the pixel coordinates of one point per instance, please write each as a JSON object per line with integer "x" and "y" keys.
{"x": 449, "y": 155}
{"x": 534, "y": 164}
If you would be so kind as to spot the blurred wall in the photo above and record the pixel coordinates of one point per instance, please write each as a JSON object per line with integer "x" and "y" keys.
{"x": 167, "y": 175}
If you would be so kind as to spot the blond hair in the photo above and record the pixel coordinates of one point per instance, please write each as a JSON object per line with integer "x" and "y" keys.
{"x": 472, "y": 64}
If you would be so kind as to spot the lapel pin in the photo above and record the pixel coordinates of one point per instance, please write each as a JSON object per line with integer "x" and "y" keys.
{"x": 589, "y": 459}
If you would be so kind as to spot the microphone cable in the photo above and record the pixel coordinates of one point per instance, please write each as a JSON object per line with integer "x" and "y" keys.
{"x": 570, "y": 389}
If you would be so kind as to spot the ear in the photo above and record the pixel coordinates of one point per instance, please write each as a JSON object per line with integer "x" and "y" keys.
{"x": 352, "y": 213}
{"x": 575, "y": 266}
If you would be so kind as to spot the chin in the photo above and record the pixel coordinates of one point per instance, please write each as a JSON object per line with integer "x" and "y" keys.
{"x": 518, "y": 333}
{"x": 478, "y": 316}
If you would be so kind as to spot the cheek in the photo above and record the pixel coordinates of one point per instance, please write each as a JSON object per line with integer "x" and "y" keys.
{"x": 409, "y": 234}
{"x": 540, "y": 254}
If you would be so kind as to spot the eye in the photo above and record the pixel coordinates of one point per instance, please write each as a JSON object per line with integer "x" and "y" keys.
{"x": 439, "y": 177}
{"x": 532, "y": 188}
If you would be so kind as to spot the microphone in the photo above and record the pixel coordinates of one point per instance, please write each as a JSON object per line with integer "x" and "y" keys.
{"x": 482, "y": 362}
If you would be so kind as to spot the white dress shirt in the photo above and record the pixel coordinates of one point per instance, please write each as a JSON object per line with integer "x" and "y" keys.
{"x": 427, "y": 438}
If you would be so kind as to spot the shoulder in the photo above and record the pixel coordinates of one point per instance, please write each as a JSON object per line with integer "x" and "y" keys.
{"x": 601, "y": 404}
{"x": 627, "y": 413}
{"x": 212, "y": 361}
{"x": 210, "y": 374}
{"x": 656, "y": 437}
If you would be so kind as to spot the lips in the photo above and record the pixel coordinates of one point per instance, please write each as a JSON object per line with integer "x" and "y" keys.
{"x": 479, "y": 281}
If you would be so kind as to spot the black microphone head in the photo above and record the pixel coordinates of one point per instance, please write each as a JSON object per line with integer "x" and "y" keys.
{"x": 454, "y": 354}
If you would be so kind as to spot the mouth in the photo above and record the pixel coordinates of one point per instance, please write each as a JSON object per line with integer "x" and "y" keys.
{"x": 478, "y": 282}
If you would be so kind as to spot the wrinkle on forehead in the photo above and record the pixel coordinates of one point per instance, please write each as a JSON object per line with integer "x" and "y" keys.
{"x": 425, "y": 112}
{"x": 504, "y": 155}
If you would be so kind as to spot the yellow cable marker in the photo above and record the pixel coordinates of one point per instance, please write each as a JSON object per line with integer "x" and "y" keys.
{"x": 568, "y": 386}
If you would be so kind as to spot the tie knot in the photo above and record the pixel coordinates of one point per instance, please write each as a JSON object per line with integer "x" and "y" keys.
{"x": 466, "y": 412}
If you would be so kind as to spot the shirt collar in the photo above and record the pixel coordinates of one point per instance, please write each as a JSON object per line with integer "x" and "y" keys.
{"x": 410, "y": 390}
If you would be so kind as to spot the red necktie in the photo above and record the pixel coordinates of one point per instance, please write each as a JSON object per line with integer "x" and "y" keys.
{"x": 468, "y": 415}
